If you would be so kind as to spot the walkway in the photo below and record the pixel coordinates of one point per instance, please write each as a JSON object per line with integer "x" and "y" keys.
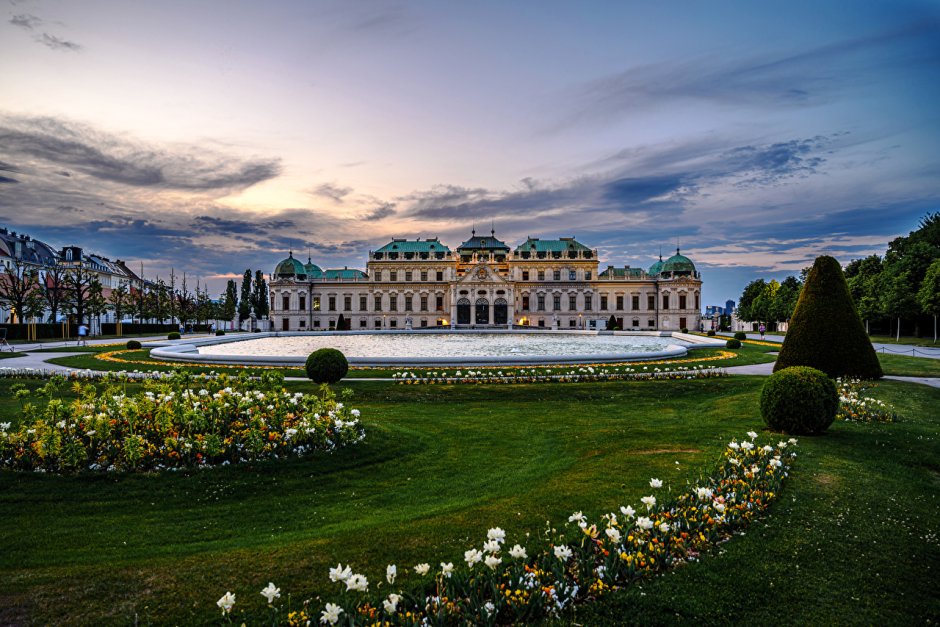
{"x": 930, "y": 352}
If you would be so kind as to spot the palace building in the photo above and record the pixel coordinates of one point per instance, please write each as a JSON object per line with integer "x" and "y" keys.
{"x": 484, "y": 283}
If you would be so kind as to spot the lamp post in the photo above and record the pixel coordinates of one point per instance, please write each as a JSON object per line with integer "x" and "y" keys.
{"x": 580, "y": 322}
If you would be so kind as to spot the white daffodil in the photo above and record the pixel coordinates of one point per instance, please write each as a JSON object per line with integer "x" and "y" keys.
{"x": 226, "y": 602}
{"x": 517, "y": 552}
{"x": 656, "y": 483}
{"x": 644, "y": 523}
{"x": 752, "y": 435}
{"x": 613, "y": 534}
{"x": 577, "y": 516}
{"x": 422, "y": 569}
{"x": 331, "y": 614}
{"x": 491, "y": 546}
{"x": 627, "y": 511}
{"x": 271, "y": 593}
{"x": 562, "y": 552}
{"x": 664, "y": 528}
{"x": 792, "y": 440}
{"x": 492, "y": 561}
{"x": 391, "y": 603}
{"x": 719, "y": 506}
{"x": 358, "y": 583}
{"x": 339, "y": 573}
{"x": 734, "y": 445}
{"x": 391, "y": 571}
{"x": 768, "y": 449}
{"x": 703, "y": 493}
{"x": 447, "y": 569}
{"x": 496, "y": 534}
{"x": 472, "y": 557}
{"x": 649, "y": 501}
{"x": 489, "y": 607}
{"x": 747, "y": 446}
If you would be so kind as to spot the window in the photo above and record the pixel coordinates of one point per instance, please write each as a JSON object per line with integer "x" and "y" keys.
{"x": 525, "y": 275}
{"x": 303, "y": 302}
{"x": 332, "y": 303}
{"x": 303, "y": 323}
{"x": 620, "y": 303}
{"x": 697, "y": 306}
{"x": 378, "y": 324}
{"x": 557, "y": 275}
{"x": 363, "y": 303}
{"x": 603, "y": 302}
{"x": 541, "y": 300}
{"x": 541, "y": 275}
{"x": 681, "y": 301}
{"x": 556, "y": 302}
{"x": 378, "y": 302}
{"x": 636, "y": 322}
{"x": 347, "y": 303}
{"x": 541, "y": 323}
{"x": 424, "y": 322}
{"x": 572, "y": 302}
{"x": 285, "y": 301}
{"x": 588, "y": 302}
{"x": 665, "y": 301}
{"x": 650, "y": 302}
{"x": 378, "y": 275}
{"x": 651, "y": 323}
{"x": 635, "y": 302}
{"x": 362, "y": 323}
{"x": 571, "y": 323}
{"x": 393, "y": 275}
{"x": 316, "y": 323}
{"x": 572, "y": 275}
{"x": 440, "y": 275}
{"x": 393, "y": 302}
{"x": 407, "y": 303}
{"x": 424, "y": 275}
{"x": 440, "y": 303}
{"x": 587, "y": 275}
{"x": 408, "y": 275}
{"x": 393, "y": 323}
{"x": 424, "y": 303}
{"x": 525, "y": 303}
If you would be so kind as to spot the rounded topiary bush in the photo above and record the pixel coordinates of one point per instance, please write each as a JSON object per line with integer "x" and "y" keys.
{"x": 799, "y": 400}
{"x": 326, "y": 365}
{"x": 740, "y": 335}
{"x": 684, "y": 330}
{"x": 133, "y": 345}
{"x": 711, "y": 333}
{"x": 733, "y": 343}
{"x": 173, "y": 336}
{"x": 220, "y": 332}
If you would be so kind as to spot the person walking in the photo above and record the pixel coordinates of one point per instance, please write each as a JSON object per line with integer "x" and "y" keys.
{"x": 82, "y": 335}
{"x": 762, "y": 330}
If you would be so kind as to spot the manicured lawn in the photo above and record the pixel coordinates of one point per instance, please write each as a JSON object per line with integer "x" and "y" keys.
{"x": 440, "y": 465}
{"x": 906, "y": 340}
{"x": 8, "y": 355}
{"x": 902, "y": 366}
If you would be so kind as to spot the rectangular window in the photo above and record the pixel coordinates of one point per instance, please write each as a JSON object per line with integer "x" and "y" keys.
{"x": 541, "y": 302}
{"x": 393, "y": 275}
{"x": 424, "y": 323}
{"x": 316, "y": 323}
{"x": 303, "y": 302}
{"x": 332, "y": 303}
{"x": 393, "y": 323}
{"x": 393, "y": 302}
{"x": 635, "y": 301}
{"x": 651, "y": 323}
{"x": 363, "y": 303}
{"x": 378, "y": 324}
{"x": 525, "y": 303}
{"x": 347, "y": 303}
{"x": 681, "y": 301}
{"x": 572, "y": 302}
{"x": 541, "y": 275}
{"x": 303, "y": 323}
{"x": 408, "y": 275}
{"x": 440, "y": 303}
{"x": 587, "y": 275}
{"x": 440, "y": 275}
{"x": 588, "y": 302}
{"x": 571, "y": 323}
{"x": 525, "y": 275}
{"x": 362, "y": 323}
{"x": 665, "y": 301}
{"x": 541, "y": 323}
{"x": 556, "y": 302}
{"x": 378, "y": 302}
{"x": 603, "y": 302}
{"x": 697, "y": 306}
{"x": 424, "y": 275}
{"x": 407, "y": 303}
{"x": 272, "y": 295}
{"x": 636, "y": 322}
{"x": 620, "y": 303}
{"x": 650, "y": 302}
{"x": 285, "y": 301}
{"x": 557, "y": 275}
{"x": 572, "y": 275}
{"x": 424, "y": 303}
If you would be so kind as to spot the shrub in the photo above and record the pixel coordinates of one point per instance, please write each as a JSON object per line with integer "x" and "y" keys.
{"x": 326, "y": 365}
{"x": 684, "y": 330}
{"x": 799, "y": 400}
{"x": 173, "y": 336}
{"x": 740, "y": 335}
{"x": 711, "y": 333}
{"x": 133, "y": 345}
{"x": 220, "y": 332}
{"x": 825, "y": 330}
{"x": 733, "y": 343}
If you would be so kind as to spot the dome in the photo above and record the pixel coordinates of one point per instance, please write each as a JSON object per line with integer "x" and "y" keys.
{"x": 656, "y": 268}
{"x": 290, "y": 267}
{"x": 313, "y": 269}
{"x": 679, "y": 264}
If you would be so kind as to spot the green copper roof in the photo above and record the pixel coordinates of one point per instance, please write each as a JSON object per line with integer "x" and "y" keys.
{"x": 417, "y": 246}
{"x": 678, "y": 263}
{"x": 479, "y": 242}
{"x": 313, "y": 269}
{"x": 622, "y": 273}
{"x": 343, "y": 273}
{"x": 656, "y": 268}
{"x": 536, "y": 245}
{"x": 290, "y": 266}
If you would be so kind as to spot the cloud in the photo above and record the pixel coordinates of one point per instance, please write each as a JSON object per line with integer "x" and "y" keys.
{"x": 110, "y": 158}
{"x": 6, "y": 179}
{"x": 26, "y": 21}
{"x": 332, "y": 191}
{"x": 57, "y": 43}
{"x": 383, "y": 211}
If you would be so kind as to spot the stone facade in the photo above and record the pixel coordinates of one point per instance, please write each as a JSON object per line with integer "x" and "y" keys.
{"x": 484, "y": 283}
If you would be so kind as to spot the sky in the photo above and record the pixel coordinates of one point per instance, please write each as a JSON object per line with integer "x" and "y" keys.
{"x": 215, "y": 136}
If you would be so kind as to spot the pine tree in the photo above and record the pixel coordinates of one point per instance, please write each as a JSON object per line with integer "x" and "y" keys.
{"x": 244, "y": 305}
{"x": 230, "y": 301}
{"x": 261, "y": 305}
{"x": 825, "y": 331}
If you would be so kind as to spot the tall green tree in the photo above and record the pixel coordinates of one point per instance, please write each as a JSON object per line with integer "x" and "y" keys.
{"x": 119, "y": 301}
{"x": 230, "y": 301}
{"x": 864, "y": 280}
{"x": 762, "y": 309}
{"x": 929, "y": 294}
{"x": 785, "y": 299}
{"x": 96, "y": 303}
{"x": 898, "y": 297}
{"x": 260, "y": 296}
{"x": 244, "y": 305}
{"x": 745, "y": 307}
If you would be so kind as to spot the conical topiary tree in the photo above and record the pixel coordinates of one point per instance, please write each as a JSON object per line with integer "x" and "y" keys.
{"x": 825, "y": 331}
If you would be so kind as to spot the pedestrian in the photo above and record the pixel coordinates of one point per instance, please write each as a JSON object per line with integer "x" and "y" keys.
{"x": 762, "y": 329}
{"x": 82, "y": 334}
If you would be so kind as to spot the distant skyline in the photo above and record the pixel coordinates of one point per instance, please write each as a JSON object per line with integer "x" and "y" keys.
{"x": 216, "y": 136}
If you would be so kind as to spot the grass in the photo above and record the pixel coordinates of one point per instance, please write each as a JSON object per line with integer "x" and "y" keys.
{"x": 440, "y": 465}
{"x": 905, "y": 340}
{"x": 9, "y": 355}
{"x": 902, "y": 366}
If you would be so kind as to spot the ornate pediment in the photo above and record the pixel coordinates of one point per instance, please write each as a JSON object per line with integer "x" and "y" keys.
{"x": 482, "y": 274}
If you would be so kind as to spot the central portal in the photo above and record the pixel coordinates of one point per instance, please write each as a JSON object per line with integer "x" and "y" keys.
{"x": 483, "y": 311}
{"x": 463, "y": 311}
{"x": 500, "y": 311}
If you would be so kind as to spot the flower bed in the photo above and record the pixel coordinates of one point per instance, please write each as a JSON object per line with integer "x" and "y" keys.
{"x": 855, "y": 407}
{"x": 553, "y": 375}
{"x": 180, "y": 420}
{"x": 580, "y": 562}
